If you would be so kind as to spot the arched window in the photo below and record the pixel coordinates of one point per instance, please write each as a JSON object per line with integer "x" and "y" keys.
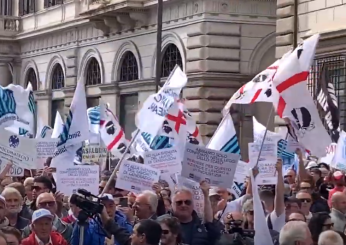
{"x": 129, "y": 67}
{"x": 170, "y": 58}
{"x": 31, "y": 77}
{"x": 58, "y": 78}
{"x": 93, "y": 75}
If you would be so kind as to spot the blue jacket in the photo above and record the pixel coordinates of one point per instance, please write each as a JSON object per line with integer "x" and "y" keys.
{"x": 93, "y": 234}
{"x": 121, "y": 220}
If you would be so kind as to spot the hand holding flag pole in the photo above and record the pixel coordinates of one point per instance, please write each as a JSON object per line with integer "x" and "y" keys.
{"x": 120, "y": 161}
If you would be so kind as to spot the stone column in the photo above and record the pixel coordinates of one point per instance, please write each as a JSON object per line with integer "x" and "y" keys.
{"x": 6, "y": 76}
{"x": 44, "y": 105}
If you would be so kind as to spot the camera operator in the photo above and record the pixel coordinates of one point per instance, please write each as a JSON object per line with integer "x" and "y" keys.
{"x": 234, "y": 233}
{"x": 145, "y": 232}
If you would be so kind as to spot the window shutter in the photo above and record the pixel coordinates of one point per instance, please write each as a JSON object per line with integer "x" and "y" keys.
{"x": 20, "y": 8}
{"x": 46, "y": 4}
{"x": 10, "y": 7}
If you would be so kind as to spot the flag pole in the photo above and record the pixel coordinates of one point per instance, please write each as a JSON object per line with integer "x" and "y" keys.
{"x": 120, "y": 161}
{"x": 265, "y": 134}
{"x": 158, "y": 44}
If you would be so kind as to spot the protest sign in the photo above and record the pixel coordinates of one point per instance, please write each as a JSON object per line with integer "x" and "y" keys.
{"x": 339, "y": 159}
{"x": 94, "y": 153}
{"x": 136, "y": 177}
{"x": 46, "y": 147}
{"x": 166, "y": 160}
{"x": 266, "y": 163}
{"x": 241, "y": 171}
{"x": 216, "y": 167}
{"x": 20, "y": 150}
{"x": 197, "y": 194}
{"x": 70, "y": 179}
{"x": 14, "y": 171}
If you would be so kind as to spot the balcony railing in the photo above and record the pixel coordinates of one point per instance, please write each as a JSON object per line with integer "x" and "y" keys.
{"x": 9, "y": 25}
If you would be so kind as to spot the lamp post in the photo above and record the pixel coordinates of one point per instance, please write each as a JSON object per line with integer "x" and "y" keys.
{"x": 158, "y": 45}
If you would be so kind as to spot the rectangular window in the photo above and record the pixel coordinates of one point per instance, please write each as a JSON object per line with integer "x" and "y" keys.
{"x": 57, "y": 105}
{"x": 128, "y": 110}
{"x": 336, "y": 66}
{"x": 6, "y": 7}
{"x": 51, "y": 3}
{"x": 26, "y": 7}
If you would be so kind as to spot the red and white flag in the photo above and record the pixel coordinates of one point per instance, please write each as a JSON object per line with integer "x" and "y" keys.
{"x": 296, "y": 103}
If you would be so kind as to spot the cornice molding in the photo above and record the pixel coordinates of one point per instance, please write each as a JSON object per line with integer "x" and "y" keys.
{"x": 43, "y": 95}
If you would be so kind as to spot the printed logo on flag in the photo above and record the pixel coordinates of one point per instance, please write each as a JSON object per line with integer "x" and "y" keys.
{"x": 44, "y": 131}
{"x": 94, "y": 115}
{"x": 13, "y": 141}
{"x": 64, "y": 136}
{"x": 7, "y": 103}
{"x": 303, "y": 120}
{"x": 231, "y": 146}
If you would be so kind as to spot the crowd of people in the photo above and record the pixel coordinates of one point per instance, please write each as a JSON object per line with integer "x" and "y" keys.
{"x": 307, "y": 206}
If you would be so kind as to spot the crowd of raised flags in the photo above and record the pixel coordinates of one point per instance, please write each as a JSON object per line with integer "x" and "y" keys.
{"x": 164, "y": 121}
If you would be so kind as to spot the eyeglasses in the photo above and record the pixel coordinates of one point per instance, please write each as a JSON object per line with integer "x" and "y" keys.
{"x": 45, "y": 204}
{"x": 328, "y": 226}
{"x": 36, "y": 188}
{"x": 306, "y": 200}
{"x": 165, "y": 232}
{"x": 186, "y": 202}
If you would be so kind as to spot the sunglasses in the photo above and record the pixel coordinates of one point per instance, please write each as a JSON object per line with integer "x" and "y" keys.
{"x": 36, "y": 188}
{"x": 165, "y": 232}
{"x": 45, "y": 204}
{"x": 305, "y": 188}
{"x": 186, "y": 202}
{"x": 288, "y": 176}
{"x": 251, "y": 212}
{"x": 306, "y": 200}
{"x": 328, "y": 226}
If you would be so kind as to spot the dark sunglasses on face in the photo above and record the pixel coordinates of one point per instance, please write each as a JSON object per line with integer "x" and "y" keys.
{"x": 45, "y": 204}
{"x": 186, "y": 202}
{"x": 165, "y": 232}
{"x": 306, "y": 200}
{"x": 251, "y": 212}
{"x": 288, "y": 176}
{"x": 36, "y": 188}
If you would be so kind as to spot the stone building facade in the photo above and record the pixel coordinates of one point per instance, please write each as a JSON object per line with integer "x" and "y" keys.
{"x": 110, "y": 46}
{"x": 327, "y": 17}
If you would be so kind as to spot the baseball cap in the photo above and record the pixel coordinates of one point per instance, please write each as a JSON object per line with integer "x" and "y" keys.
{"x": 2, "y": 199}
{"x": 338, "y": 175}
{"x": 311, "y": 164}
{"x": 106, "y": 197}
{"x": 213, "y": 192}
{"x": 40, "y": 213}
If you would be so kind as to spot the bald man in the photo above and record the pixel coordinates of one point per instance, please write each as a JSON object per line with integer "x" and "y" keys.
{"x": 330, "y": 238}
{"x": 338, "y": 211}
{"x": 47, "y": 201}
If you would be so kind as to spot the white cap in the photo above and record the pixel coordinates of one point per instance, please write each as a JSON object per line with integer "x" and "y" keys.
{"x": 213, "y": 192}
{"x": 106, "y": 197}
{"x": 311, "y": 164}
{"x": 2, "y": 199}
{"x": 40, "y": 213}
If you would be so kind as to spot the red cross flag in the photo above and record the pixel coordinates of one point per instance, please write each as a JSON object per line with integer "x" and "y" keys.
{"x": 295, "y": 101}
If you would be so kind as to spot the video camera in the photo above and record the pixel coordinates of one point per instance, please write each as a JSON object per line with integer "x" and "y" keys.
{"x": 89, "y": 207}
{"x": 240, "y": 236}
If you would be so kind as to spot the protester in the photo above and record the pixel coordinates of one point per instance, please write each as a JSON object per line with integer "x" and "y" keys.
{"x": 339, "y": 183}
{"x": 42, "y": 230}
{"x": 13, "y": 236}
{"x": 3, "y": 240}
{"x": 305, "y": 199}
{"x": 47, "y": 201}
{"x": 295, "y": 232}
{"x": 296, "y": 216}
{"x": 338, "y": 202}
{"x": 145, "y": 205}
{"x": 171, "y": 231}
{"x": 14, "y": 204}
{"x": 330, "y": 238}
{"x": 41, "y": 184}
{"x": 318, "y": 223}
{"x": 25, "y": 211}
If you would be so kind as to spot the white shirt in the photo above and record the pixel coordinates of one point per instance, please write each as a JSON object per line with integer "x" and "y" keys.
{"x": 277, "y": 222}
{"x": 232, "y": 206}
{"x": 38, "y": 240}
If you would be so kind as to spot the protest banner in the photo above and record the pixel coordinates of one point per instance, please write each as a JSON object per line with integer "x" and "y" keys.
{"x": 46, "y": 147}
{"x": 197, "y": 194}
{"x": 166, "y": 160}
{"x": 70, "y": 179}
{"x": 241, "y": 171}
{"x": 94, "y": 153}
{"x": 266, "y": 162}
{"x": 20, "y": 150}
{"x": 215, "y": 167}
{"x": 14, "y": 171}
{"x": 136, "y": 177}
